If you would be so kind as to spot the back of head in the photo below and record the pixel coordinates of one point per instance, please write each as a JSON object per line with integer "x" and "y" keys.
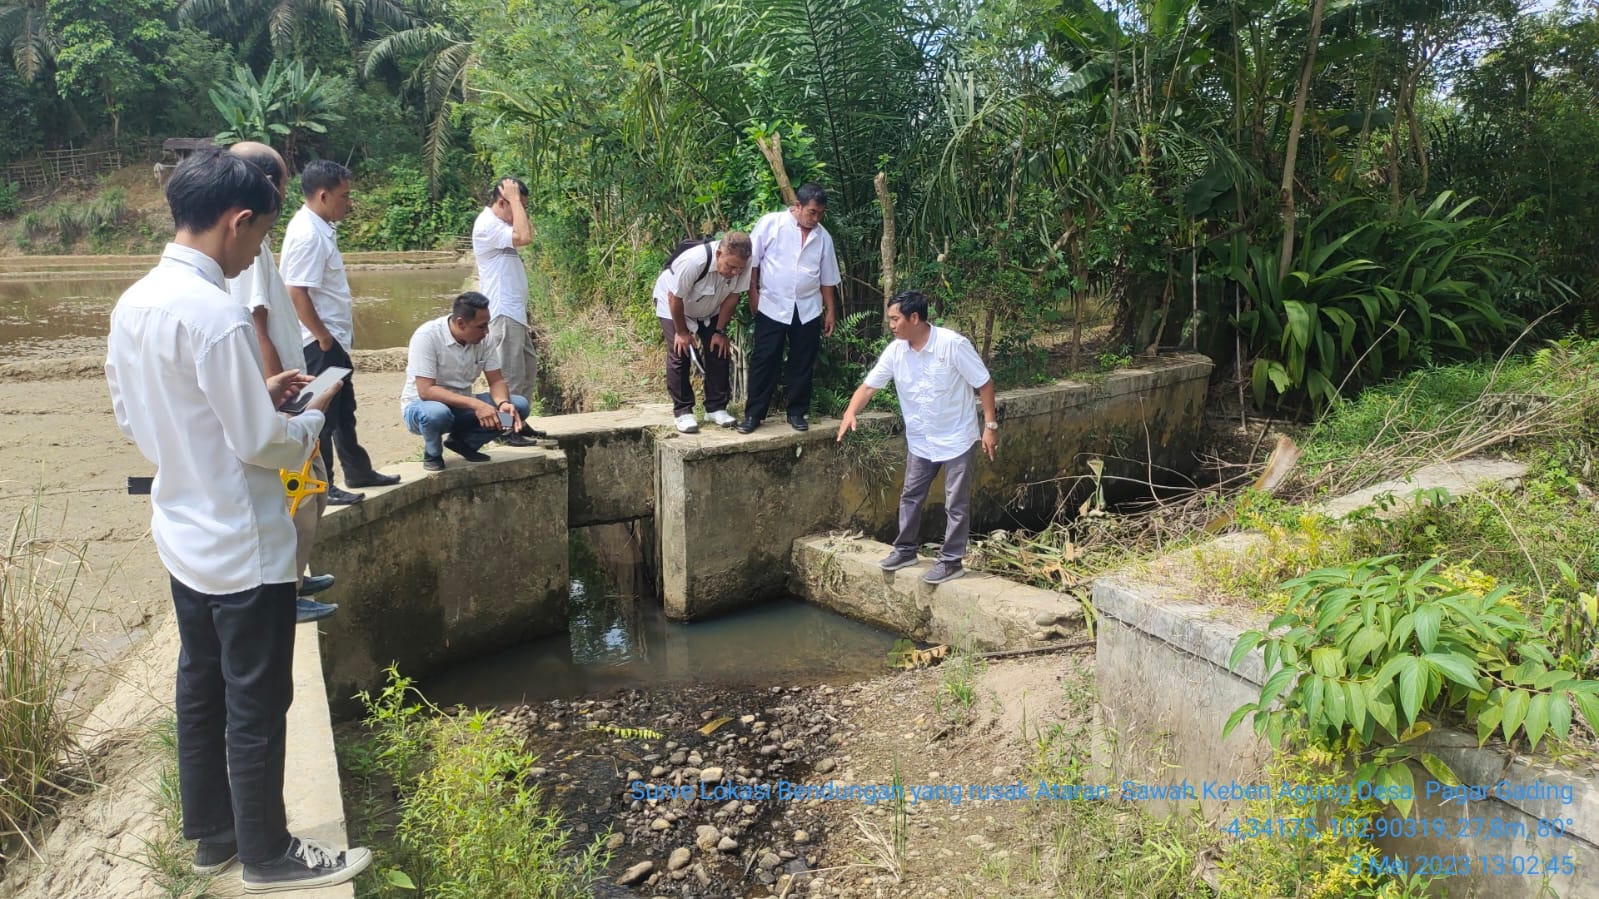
{"x": 262, "y": 157}
{"x": 322, "y": 174}
{"x": 209, "y": 183}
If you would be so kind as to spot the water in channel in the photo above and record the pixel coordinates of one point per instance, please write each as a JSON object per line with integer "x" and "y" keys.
{"x": 619, "y": 638}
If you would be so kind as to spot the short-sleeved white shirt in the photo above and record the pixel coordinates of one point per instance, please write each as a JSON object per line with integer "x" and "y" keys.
{"x": 794, "y": 267}
{"x": 261, "y": 287}
{"x": 501, "y": 276}
{"x": 935, "y": 387}
{"x": 311, "y": 259}
{"x": 436, "y": 354}
{"x": 702, "y": 297}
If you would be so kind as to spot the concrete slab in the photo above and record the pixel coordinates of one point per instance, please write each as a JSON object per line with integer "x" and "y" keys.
{"x": 979, "y": 612}
{"x": 1459, "y": 478}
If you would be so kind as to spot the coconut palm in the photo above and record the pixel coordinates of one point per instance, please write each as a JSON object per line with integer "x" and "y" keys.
{"x": 439, "y": 54}
{"x": 236, "y": 20}
{"x": 25, "y": 28}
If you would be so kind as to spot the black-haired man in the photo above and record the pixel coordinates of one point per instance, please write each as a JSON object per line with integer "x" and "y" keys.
{"x": 186, "y": 387}
{"x": 313, "y": 269}
{"x": 934, "y": 371}
{"x": 793, "y": 273}
{"x": 501, "y": 229}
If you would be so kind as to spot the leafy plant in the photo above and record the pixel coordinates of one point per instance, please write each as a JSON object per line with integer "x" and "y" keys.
{"x": 284, "y": 103}
{"x": 8, "y": 198}
{"x": 1369, "y": 651}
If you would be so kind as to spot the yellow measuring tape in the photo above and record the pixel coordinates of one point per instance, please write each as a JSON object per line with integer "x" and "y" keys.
{"x": 297, "y": 485}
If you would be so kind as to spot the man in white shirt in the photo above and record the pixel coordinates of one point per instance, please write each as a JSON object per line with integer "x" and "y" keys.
{"x": 260, "y": 290}
{"x": 446, "y": 356}
{"x": 794, "y": 270}
{"x": 695, "y": 297}
{"x": 501, "y": 229}
{"x": 934, "y": 371}
{"x": 186, "y": 386}
{"x": 313, "y": 269}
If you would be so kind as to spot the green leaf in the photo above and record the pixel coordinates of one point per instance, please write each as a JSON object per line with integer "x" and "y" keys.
{"x": 1355, "y": 694}
{"x": 1537, "y": 719}
{"x": 1237, "y": 716}
{"x": 1275, "y": 686}
{"x": 1516, "y": 702}
{"x": 1456, "y": 667}
{"x": 1588, "y": 704}
{"x": 1362, "y": 646}
{"x": 1412, "y": 687}
{"x": 1399, "y": 775}
{"x": 1440, "y": 771}
{"x": 399, "y": 879}
{"x": 1324, "y": 661}
{"x": 1428, "y": 619}
{"x": 1559, "y": 716}
{"x": 1246, "y": 643}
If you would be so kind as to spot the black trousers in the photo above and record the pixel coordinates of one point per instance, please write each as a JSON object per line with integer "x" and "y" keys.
{"x": 766, "y": 355}
{"x": 339, "y": 429}
{"x": 235, "y": 683}
{"x": 718, "y": 386}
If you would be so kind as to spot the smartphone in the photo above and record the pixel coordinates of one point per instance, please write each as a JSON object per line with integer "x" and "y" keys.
{"x": 320, "y": 384}
{"x": 506, "y": 420}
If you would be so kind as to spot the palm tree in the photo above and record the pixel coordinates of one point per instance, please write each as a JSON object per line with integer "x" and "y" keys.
{"x": 441, "y": 54}
{"x": 235, "y": 20}
{"x": 26, "y": 30}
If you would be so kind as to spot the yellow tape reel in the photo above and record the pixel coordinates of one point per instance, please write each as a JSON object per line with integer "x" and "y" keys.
{"x": 297, "y": 485}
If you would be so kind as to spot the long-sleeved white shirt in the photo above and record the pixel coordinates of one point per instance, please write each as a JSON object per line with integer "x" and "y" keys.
{"x": 794, "y": 266}
{"x": 187, "y": 388}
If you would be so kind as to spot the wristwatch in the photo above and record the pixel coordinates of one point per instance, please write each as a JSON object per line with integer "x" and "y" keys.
{"x": 991, "y": 425}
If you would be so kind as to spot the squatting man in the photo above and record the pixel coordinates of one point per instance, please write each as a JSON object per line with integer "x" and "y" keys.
{"x": 934, "y": 370}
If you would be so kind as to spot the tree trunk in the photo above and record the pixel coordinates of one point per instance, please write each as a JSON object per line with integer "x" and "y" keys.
{"x": 772, "y": 149}
{"x": 1294, "y": 127}
{"x": 887, "y": 247}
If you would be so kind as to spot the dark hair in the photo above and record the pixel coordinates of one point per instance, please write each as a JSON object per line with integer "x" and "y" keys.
{"x": 811, "y": 193}
{"x": 494, "y": 189}
{"x": 910, "y": 302}
{"x": 263, "y": 159}
{"x": 322, "y": 174}
{"x": 210, "y": 183}
{"x": 467, "y": 305}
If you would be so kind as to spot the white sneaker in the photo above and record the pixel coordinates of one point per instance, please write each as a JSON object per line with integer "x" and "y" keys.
{"x": 720, "y": 417}
{"x": 688, "y": 424}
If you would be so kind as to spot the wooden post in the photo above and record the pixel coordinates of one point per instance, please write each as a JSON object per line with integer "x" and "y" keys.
{"x": 772, "y": 149}
{"x": 886, "y": 200}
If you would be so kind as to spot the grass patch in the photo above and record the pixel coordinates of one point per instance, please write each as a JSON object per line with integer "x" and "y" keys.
{"x": 168, "y": 856}
{"x": 449, "y": 807}
{"x": 39, "y": 757}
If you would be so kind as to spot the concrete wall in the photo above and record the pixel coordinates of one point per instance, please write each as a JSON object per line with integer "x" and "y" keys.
{"x": 1165, "y": 693}
{"x": 610, "y": 462}
{"x": 729, "y": 507}
{"x": 979, "y": 612}
{"x": 444, "y": 565}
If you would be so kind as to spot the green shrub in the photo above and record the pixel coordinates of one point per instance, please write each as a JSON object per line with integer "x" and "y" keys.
{"x": 395, "y": 211}
{"x": 9, "y": 202}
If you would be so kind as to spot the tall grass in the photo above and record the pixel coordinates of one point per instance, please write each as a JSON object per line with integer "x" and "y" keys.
{"x": 38, "y": 629}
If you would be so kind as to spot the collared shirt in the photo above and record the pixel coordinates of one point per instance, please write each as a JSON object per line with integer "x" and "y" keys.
{"x": 935, "y": 387}
{"x": 701, "y": 297}
{"x": 436, "y": 354}
{"x": 186, "y": 386}
{"x": 794, "y": 266}
{"x": 311, "y": 259}
{"x": 261, "y": 287}
{"x": 500, "y": 273}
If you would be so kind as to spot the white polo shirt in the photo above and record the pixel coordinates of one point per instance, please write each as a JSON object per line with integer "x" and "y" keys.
{"x": 186, "y": 386}
{"x": 311, "y": 259}
{"x": 935, "y": 387}
{"x": 501, "y": 276}
{"x": 702, "y": 297}
{"x": 436, "y": 354}
{"x": 794, "y": 267}
{"x": 261, "y": 287}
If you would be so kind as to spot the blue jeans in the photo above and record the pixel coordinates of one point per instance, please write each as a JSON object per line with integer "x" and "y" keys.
{"x": 436, "y": 421}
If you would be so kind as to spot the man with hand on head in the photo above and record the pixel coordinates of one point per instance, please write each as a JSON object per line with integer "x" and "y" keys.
{"x": 446, "y": 356}
{"x": 501, "y": 229}
{"x": 934, "y": 371}
{"x": 695, "y": 297}
{"x": 186, "y": 386}
{"x": 313, "y": 268}
{"x": 260, "y": 289}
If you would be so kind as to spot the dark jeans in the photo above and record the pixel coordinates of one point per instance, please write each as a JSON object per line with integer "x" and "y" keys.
{"x": 434, "y": 421}
{"x": 718, "y": 388}
{"x": 919, "y": 474}
{"x": 766, "y": 354}
{"x": 339, "y": 430}
{"x": 235, "y": 683}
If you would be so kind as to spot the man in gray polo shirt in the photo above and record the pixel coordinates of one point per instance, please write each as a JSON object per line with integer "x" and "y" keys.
{"x": 446, "y": 356}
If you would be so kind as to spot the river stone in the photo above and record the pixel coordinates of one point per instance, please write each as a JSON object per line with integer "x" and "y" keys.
{"x": 636, "y": 873}
{"x": 679, "y": 859}
{"x": 826, "y": 765}
{"x": 616, "y": 841}
{"x": 769, "y": 860}
{"x": 801, "y": 836}
{"x": 706, "y": 836}
{"x": 660, "y": 824}
{"x": 727, "y": 844}
{"x": 710, "y": 775}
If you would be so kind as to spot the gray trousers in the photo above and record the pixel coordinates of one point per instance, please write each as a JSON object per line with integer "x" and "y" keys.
{"x": 518, "y": 358}
{"x": 919, "y": 474}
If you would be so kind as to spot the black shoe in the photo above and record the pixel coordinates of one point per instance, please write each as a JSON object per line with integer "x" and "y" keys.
{"x": 746, "y": 425}
{"x": 530, "y": 431}
{"x": 432, "y": 463}
{"x": 214, "y": 858}
{"x": 337, "y": 497}
{"x": 465, "y": 452}
{"x": 306, "y": 864}
{"x": 372, "y": 479}
{"x": 311, "y": 610}
{"x": 798, "y": 422}
{"x": 516, "y": 439}
{"x": 312, "y": 584}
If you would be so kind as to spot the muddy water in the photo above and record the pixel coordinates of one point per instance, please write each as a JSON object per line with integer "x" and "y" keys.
{"x": 620, "y": 639}
{"x": 47, "y": 315}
